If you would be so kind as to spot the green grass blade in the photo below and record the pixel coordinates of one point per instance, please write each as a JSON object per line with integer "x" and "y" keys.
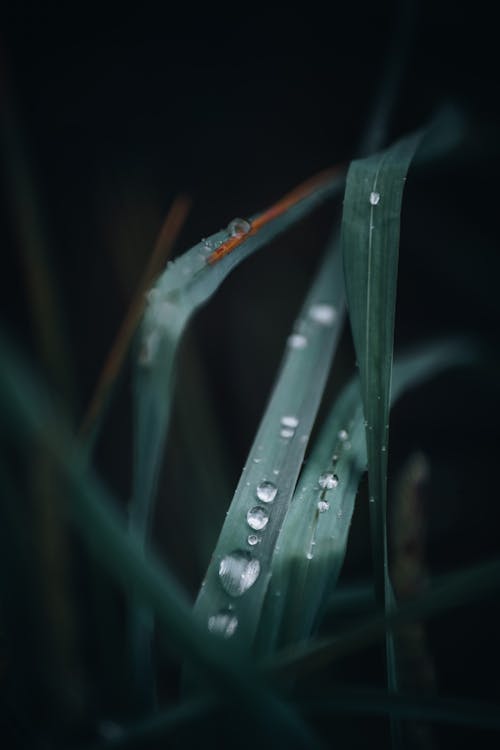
{"x": 242, "y": 558}
{"x": 27, "y": 410}
{"x": 370, "y": 244}
{"x": 313, "y": 540}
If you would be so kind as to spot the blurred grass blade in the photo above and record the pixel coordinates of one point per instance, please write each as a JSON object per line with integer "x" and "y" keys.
{"x": 311, "y": 546}
{"x": 235, "y": 585}
{"x": 26, "y": 409}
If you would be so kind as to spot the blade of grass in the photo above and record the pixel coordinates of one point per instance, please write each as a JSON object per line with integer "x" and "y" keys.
{"x": 239, "y": 572}
{"x": 27, "y": 410}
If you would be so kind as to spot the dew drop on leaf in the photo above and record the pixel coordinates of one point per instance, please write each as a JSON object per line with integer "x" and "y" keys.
{"x": 266, "y": 491}
{"x": 323, "y": 314}
{"x": 238, "y": 571}
{"x": 237, "y": 227}
{"x": 257, "y": 518}
{"x": 297, "y": 341}
{"x": 224, "y": 623}
{"x": 374, "y": 198}
{"x": 328, "y": 481}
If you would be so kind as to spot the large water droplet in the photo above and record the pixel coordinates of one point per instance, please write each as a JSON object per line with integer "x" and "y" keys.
{"x": 323, "y": 314}
{"x": 253, "y": 539}
{"x": 297, "y": 341}
{"x": 343, "y": 435}
{"x": 323, "y": 506}
{"x": 238, "y": 572}
{"x": 237, "y": 227}
{"x": 328, "y": 481}
{"x": 289, "y": 421}
{"x": 374, "y": 198}
{"x": 224, "y": 623}
{"x": 257, "y": 518}
{"x": 266, "y": 491}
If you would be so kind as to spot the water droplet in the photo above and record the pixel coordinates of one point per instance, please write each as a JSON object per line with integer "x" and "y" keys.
{"x": 304, "y": 438}
{"x": 323, "y": 506}
{"x": 276, "y": 471}
{"x": 238, "y": 572}
{"x": 374, "y": 198}
{"x": 257, "y": 460}
{"x": 384, "y": 449}
{"x": 343, "y": 435}
{"x": 289, "y": 421}
{"x": 266, "y": 491}
{"x": 253, "y": 539}
{"x": 335, "y": 458}
{"x": 224, "y": 623}
{"x": 297, "y": 341}
{"x": 328, "y": 481}
{"x": 237, "y": 227}
{"x": 257, "y": 518}
{"x": 323, "y": 314}
{"x": 287, "y": 433}
{"x": 372, "y": 499}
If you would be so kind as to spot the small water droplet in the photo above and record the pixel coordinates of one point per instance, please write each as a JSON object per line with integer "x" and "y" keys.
{"x": 335, "y": 458}
{"x": 238, "y": 571}
{"x": 257, "y": 460}
{"x": 289, "y": 421}
{"x": 257, "y": 518}
{"x": 372, "y": 499}
{"x": 384, "y": 449}
{"x": 343, "y": 435}
{"x": 323, "y": 314}
{"x": 224, "y": 623}
{"x": 297, "y": 341}
{"x": 276, "y": 471}
{"x": 374, "y": 198}
{"x": 237, "y": 227}
{"x": 266, "y": 491}
{"x": 253, "y": 539}
{"x": 328, "y": 481}
{"x": 287, "y": 433}
{"x": 310, "y": 555}
{"x": 323, "y": 506}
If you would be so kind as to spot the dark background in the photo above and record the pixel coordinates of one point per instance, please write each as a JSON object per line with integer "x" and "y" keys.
{"x": 113, "y": 116}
